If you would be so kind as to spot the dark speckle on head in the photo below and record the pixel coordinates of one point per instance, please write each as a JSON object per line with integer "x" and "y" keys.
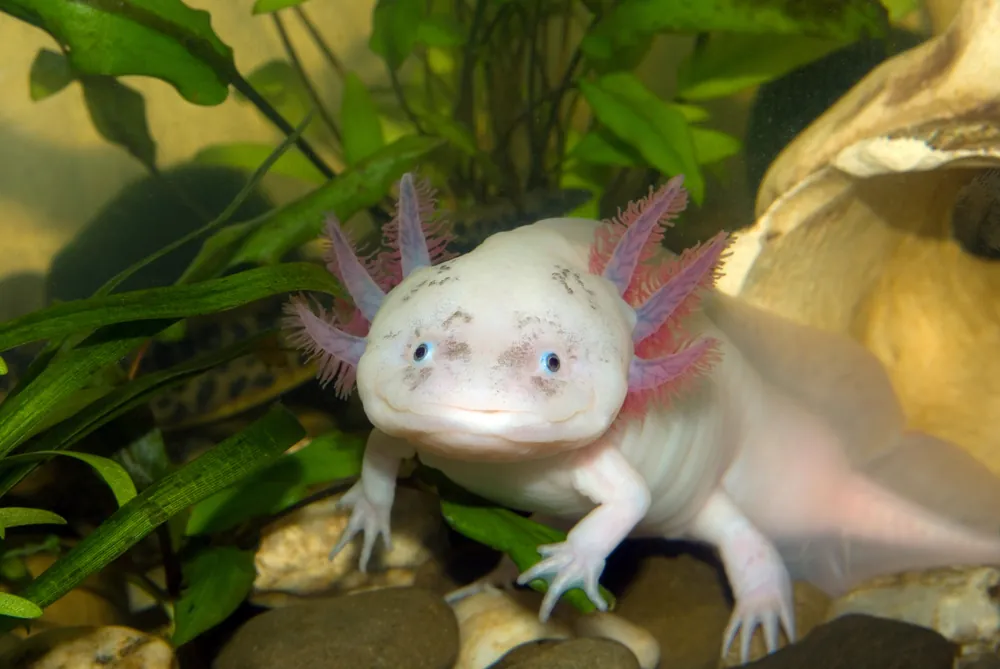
{"x": 515, "y": 355}
{"x": 549, "y": 387}
{"x": 561, "y": 275}
{"x": 456, "y": 350}
{"x": 525, "y": 321}
{"x": 415, "y": 377}
{"x": 458, "y": 315}
{"x": 389, "y": 336}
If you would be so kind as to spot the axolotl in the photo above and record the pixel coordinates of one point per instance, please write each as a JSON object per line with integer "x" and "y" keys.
{"x": 578, "y": 370}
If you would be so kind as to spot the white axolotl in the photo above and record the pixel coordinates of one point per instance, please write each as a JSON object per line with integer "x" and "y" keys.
{"x": 575, "y": 369}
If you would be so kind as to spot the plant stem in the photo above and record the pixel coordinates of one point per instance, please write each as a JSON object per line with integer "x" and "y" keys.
{"x": 293, "y": 56}
{"x": 320, "y": 42}
{"x": 275, "y": 117}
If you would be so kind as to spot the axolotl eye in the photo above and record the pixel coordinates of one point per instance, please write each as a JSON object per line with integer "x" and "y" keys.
{"x": 422, "y": 352}
{"x": 550, "y": 362}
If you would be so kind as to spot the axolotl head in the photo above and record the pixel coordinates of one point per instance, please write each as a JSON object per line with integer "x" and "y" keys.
{"x": 533, "y": 343}
{"x": 512, "y": 349}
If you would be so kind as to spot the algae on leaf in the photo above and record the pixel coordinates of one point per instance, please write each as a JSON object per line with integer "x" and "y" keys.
{"x": 163, "y": 39}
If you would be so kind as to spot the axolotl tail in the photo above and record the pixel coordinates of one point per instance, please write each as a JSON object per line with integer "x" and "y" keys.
{"x": 924, "y": 503}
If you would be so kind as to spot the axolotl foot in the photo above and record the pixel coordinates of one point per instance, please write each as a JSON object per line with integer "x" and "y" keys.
{"x": 369, "y": 517}
{"x": 759, "y": 579}
{"x": 567, "y": 566}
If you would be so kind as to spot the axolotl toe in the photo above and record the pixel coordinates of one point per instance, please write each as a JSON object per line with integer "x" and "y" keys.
{"x": 575, "y": 369}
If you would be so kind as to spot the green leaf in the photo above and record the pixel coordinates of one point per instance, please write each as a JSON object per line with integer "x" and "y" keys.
{"x": 50, "y": 73}
{"x": 3, "y": 367}
{"x": 355, "y": 189}
{"x": 268, "y": 6}
{"x": 182, "y": 301}
{"x": 280, "y": 84}
{"x": 217, "y": 581}
{"x": 603, "y": 148}
{"x": 657, "y": 130}
{"x": 119, "y": 114}
{"x": 440, "y": 31}
{"x": 633, "y": 20}
{"x": 731, "y": 63}
{"x": 230, "y": 461}
{"x": 327, "y": 458}
{"x": 15, "y": 516}
{"x": 25, "y": 413}
{"x": 359, "y": 121}
{"x": 18, "y": 607}
{"x": 113, "y": 473}
{"x": 393, "y": 29}
{"x": 163, "y": 39}
{"x": 900, "y": 9}
{"x": 518, "y": 537}
{"x": 248, "y": 155}
{"x": 712, "y": 146}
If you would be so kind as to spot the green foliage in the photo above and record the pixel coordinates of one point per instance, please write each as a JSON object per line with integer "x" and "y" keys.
{"x": 217, "y": 581}
{"x": 728, "y": 64}
{"x": 632, "y": 20}
{"x": 113, "y": 473}
{"x": 359, "y": 121}
{"x": 515, "y": 535}
{"x": 225, "y": 464}
{"x": 267, "y": 6}
{"x": 247, "y": 155}
{"x": 333, "y": 456}
{"x": 659, "y": 132}
{"x": 164, "y": 39}
{"x": 15, "y": 516}
{"x": 50, "y": 73}
{"x": 14, "y": 606}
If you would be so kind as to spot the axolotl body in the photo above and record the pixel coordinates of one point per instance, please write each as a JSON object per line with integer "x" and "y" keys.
{"x": 575, "y": 369}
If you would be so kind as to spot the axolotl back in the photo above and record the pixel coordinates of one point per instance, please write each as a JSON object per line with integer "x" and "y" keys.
{"x": 566, "y": 368}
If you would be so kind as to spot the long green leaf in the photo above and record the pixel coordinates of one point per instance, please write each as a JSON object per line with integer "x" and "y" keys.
{"x": 327, "y": 458}
{"x": 395, "y": 26}
{"x": 18, "y": 607}
{"x": 25, "y": 413}
{"x": 164, "y": 39}
{"x": 113, "y": 473}
{"x": 182, "y": 301}
{"x": 218, "y": 580}
{"x": 730, "y": 63}
{"x": 230, "y": 461}
{"x": 16, "y": 516}
{"x": 359, "y": 121}
{"x": 632, "y": 20}
{"x": 121, "y": 400}
{"x": 657, "y": 130}
{"x": 517, "y": 536}
{"x": 268, "y": 6}
{"x": 355, "y": 189}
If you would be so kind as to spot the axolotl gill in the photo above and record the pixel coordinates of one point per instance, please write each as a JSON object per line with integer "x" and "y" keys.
{"x": 578, "y": 370}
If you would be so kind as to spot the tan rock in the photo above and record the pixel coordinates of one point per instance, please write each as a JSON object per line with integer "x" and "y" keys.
{"x": 853, "y": 229}
{"x": 91, "y": 648}
{"x": 293, "y": 558}
{"x": 962, "y": 604}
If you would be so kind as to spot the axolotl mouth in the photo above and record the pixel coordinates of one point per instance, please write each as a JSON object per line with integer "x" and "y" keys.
{"x": 485, "y": 434}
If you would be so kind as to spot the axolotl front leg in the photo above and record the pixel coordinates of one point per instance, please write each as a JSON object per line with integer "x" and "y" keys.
{"x": 371, "y": 498}
{"x": 602, "y": 474}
